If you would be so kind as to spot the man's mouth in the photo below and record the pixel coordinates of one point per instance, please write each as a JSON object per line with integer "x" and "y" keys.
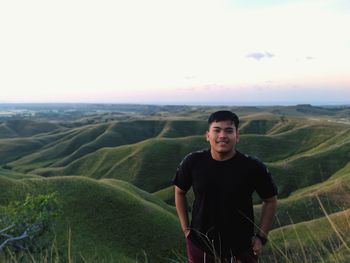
{"x": 225, "y": 142}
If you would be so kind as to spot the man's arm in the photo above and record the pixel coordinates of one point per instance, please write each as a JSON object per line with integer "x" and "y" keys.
{"x": 182, "y": 209}
{"x": 268, "y": 211}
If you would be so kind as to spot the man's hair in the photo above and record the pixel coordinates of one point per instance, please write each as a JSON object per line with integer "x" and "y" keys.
{"x": 223, "y": 115}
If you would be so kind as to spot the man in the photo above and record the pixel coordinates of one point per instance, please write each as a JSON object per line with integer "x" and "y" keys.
{"x": 223, "y": 181}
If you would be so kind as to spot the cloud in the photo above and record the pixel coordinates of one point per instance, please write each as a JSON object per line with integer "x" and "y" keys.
{"x": 260, "y": 55}
{"x": 189, "y": 77}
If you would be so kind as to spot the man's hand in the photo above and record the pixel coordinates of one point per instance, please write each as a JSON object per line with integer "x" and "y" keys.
{"x": 257, "y": 245}
{"x": 181, "y": 208}
{"x": 187, "y": 232}
{"x": 268, "y": 210}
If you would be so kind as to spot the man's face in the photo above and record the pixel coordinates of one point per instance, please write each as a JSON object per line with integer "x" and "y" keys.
{"x": 222, "y": 136}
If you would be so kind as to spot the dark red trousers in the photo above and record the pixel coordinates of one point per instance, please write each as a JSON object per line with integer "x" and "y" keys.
{"x": 196, "y": 255}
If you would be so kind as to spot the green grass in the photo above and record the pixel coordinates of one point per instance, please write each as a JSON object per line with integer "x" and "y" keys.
{"x": 149, "y": 164}
{"x": 87, "y": 139}
{"x": 310, "y": 169}
{"x": 259, "y": 126}
{"x": 16, "y": 148}
{"x": 25, "y": 128}
{"x": 111, "y": 218}
{"x": 107, "y": 217}
{"x": 320, "y": 240}
{"x": 303, "y": 204}
{"x": 5, "y": 173}
{"x": 175, "y": 129}
{"x": 302, "y": 146}
{"x": 129, "y": 161}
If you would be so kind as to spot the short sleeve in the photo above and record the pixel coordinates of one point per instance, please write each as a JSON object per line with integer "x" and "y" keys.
{"x": 183, "y": 177}
{"x": 265, "y": 186}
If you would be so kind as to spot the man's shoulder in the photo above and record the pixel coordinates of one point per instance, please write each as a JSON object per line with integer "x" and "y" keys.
{"x": 251, "y": 160}
{"x": 196, "y": 156}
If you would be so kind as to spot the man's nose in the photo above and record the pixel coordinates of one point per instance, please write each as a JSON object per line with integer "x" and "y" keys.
{"x": 222, "y": 134}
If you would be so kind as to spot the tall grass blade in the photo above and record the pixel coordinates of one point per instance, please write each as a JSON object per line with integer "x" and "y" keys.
{"x": 332, "y": 224}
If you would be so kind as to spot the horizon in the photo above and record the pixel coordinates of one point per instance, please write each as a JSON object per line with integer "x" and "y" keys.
{"x": 194, "y": 104}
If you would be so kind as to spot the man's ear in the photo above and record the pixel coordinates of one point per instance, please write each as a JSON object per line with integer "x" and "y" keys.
{"x": 207, "y": 136}
{"x": 237, "y": 135}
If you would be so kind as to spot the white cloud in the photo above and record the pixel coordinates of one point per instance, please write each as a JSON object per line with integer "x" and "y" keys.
{"x": 260, "y": 55}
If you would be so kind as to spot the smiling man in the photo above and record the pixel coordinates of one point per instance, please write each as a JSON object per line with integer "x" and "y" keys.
{"x": 223, "y": 181}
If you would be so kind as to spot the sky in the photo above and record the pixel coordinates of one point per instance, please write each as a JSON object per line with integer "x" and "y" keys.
{"x": 232, "y": 52}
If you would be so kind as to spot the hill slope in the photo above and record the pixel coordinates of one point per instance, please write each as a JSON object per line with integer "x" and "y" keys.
{"x": 300, "y": 157}
{"x": 312, "y": 241}
{"x": 25, "y": 128}
{"x": 108, "y": 218}
{"x": 308, "y": 157}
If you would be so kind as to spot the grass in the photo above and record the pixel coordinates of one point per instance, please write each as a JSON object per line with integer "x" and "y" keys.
{"x": 303, "y": 204}
{"x": 176, "y": 129}
{"x": 318, "y": 240}
{"x": 310, "y": 169}
{"x": 85, "y": 140}
{"x": 25, "y": 128}
{"x": 106, "y": 217}
{"x": 150, "y": 162}
{"x": 137, "y": 163}
{"x": 257, "y": 126}
{"x": 110, "y": 219}
{"x": 110, "y": 150}
{"x": 296, "y": 243}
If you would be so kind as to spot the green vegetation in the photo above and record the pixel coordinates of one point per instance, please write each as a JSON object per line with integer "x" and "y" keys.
{"x": 27, "y": 225}
{"x": 321, "y": 240}
{"x": 112, "y": 173}
{"x": 25, "y": 128}
{"x": 106, "y": 217}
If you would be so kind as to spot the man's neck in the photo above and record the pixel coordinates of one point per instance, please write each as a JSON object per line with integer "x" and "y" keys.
{"x": 222, "y": 156}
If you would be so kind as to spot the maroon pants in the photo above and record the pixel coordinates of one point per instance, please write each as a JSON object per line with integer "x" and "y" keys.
{"x": 196, "y": 255}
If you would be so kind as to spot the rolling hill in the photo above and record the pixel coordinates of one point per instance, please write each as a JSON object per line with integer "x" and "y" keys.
{"x": 300, "y": 157}
{"x": 114, "y": 177}
{"x": 108, "y": 218}
{"x": 25, "y": 128}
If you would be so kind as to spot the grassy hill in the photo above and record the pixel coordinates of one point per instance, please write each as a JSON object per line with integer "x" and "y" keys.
{"x": 25, "y": 128}
{"x": 100, "y": 166}
{"x": 299, "y": 157}
{"x": 175, "y": 129}
{"x": 149, "y": 164}
{"x": 108, "y": 218}
{"x": 307, "y": 170}
{"x": 303, "y": 205}
{"x": 16, "y": 148}
{"x": 320, "y": 240}
{"x": 62, "y": 149}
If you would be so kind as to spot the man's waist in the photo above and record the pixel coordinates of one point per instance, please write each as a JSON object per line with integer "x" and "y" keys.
{"x": 223, "y": 244}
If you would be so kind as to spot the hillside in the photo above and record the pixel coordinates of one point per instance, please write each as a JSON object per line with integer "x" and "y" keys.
{"x": 303, "y": 155}
{"x": 303, "y": 205}
{"x": 25, "y": 128}
{"x": 105, "y": 167}
{"x": 312, "y": 241}
{"x": 106, "y": 217}
{"x": 65, "y": 146}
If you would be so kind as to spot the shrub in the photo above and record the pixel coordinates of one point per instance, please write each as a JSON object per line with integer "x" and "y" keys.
{"x": 29, "y": 225}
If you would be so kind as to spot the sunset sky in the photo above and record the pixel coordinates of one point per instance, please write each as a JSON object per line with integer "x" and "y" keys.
{"x": 175, "y": 51}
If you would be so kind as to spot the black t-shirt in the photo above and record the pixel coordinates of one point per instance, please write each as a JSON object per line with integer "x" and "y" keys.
{"x": 222, "y": 213}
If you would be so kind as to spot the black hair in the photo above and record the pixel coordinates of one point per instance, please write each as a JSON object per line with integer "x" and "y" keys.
{"x": 223, "y": 115}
